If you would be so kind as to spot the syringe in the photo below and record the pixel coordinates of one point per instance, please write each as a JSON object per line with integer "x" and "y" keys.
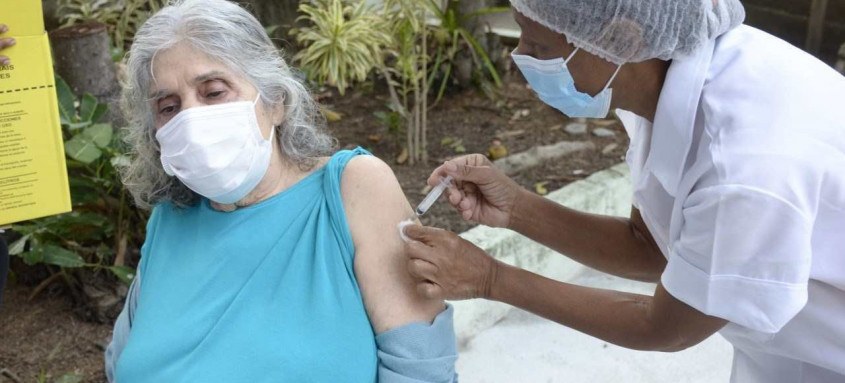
{"x": 433, "y": 195}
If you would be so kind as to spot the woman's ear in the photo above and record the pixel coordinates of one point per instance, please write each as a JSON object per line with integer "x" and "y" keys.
{"x": 278, "y": 115}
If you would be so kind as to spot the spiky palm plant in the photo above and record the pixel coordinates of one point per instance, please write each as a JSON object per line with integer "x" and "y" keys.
{"x": 342, "y": 43}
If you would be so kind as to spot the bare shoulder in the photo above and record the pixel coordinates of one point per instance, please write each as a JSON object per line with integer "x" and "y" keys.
{"x": 369, "y": 183}
{"x": 373, "y": 198}
{"x": 375, "y": 204}
{"x": 366, "y": 170}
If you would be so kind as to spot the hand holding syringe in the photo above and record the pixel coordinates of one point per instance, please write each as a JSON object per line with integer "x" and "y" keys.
{"x": 426, "y": 204}
{"x": 433, "y": 195}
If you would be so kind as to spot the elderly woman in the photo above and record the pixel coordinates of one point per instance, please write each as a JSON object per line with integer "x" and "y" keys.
{"x": 737, "y": 160}
{"x": 265, "y": 260}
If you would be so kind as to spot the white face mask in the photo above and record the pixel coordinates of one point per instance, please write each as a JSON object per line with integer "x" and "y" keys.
{"x": 217, "y": 150}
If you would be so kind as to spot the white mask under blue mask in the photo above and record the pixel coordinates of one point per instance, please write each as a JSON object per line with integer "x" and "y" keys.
{"x": 553, "y": 83}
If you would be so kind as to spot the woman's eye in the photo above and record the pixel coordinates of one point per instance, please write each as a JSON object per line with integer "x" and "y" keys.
{"x": 215, "y": 94}
{"x": 167, "y": 109}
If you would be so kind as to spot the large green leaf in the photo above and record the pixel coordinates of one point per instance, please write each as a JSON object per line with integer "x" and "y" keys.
{"x": 491, "y": 69}
{"x": 82, "y": 149}
{"x": 55, "y": 255}
{"x": 99, "y": 134}
{"x": 85, "y": 147}
{"x": 67, "y": 111}
{"x": 33, "y": 257}
{"x": 87, "y": 107}
{"x": 16, "y": 248}
{"x": 99, "y": 112}
{"x": 125, "y": 274}
{"x": 81, "y": 226}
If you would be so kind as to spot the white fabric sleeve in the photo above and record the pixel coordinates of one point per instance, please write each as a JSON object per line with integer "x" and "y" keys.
{"x": 122, "y": 326}
{"x": 743, "y": 254}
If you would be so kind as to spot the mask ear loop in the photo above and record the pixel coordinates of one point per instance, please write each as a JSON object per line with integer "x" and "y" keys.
{"x": 272, "y": 128}
{"x": 612, "y": 78}
{"x": 571, "y": 55}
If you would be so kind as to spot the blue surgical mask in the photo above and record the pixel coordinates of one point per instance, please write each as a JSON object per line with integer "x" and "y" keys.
{"x": 553, "y": 83}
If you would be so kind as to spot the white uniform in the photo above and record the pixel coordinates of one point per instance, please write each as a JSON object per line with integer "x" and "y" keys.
{"x": 741, "y": 181}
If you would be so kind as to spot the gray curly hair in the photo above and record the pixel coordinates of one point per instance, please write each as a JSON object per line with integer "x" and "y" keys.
{"x": 229, "y": 34}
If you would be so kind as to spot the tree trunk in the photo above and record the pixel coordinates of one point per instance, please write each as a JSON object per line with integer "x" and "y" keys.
{"x": 51, "y": 14}
{"x": 81, "y": 55}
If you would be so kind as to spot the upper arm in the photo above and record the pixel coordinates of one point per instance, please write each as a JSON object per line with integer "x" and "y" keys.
{"x": 656, "y": 260}
{"x": 122, "y": 327}
{"x": 375, "y": 204}
{"x": 641, "y": 230}
{"x": 743, "y": 254}
{"x": 677, "y": 325}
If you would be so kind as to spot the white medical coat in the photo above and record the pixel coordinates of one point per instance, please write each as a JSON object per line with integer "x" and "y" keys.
{"x": 741, "y": 182}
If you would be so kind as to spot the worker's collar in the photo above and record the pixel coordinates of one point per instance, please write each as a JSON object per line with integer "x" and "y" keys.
{"x": 675, "y": 117}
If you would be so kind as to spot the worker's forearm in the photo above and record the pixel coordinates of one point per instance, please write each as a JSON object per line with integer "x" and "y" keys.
{"x": 616, "y": 317}
{"x": 609, "y": 244}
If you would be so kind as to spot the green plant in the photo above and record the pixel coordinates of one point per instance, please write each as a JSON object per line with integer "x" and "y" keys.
{"x": 43, "y": 377}
{"x": 391, "y": 119}
{"x": 103, "y": 225}
{"x": 343, "y": 41}
{"x": 409, "y": 66}
{"x": 123, "y": 17}
{"x": 73, "y": 12}
{"x": 135, "y": 13}
{"x": 451, "y": 36}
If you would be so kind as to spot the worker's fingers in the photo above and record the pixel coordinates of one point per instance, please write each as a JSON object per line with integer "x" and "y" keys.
{"x": 466, "y": 215}
{"x": 455, "y": 195}
{"x": 4, "y": 60}
{"x": 480, "y": 175}
{"x": 419, "y": 233}
{"x": 440, "y": 172}
{"x": 437, "y": 175}
{"x": 468, "y": 202}
{"x": 4, "y": 28}
{"x": 422, "y": 270}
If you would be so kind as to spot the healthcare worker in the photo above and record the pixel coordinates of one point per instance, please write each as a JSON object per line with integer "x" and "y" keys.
{"x": 737, "y": 159}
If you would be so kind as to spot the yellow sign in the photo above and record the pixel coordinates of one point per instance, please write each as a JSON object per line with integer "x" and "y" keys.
{"x": 33, "y": 175}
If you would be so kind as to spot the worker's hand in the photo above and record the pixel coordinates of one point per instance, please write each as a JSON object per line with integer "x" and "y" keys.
{"x": 481, "y": 192}
{"x": 5, "y": 42}
{"x": 446, "y": 266}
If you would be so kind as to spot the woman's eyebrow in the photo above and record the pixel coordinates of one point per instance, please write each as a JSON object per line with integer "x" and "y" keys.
{"x": 159, "y": 94}
{"x": 163, "y": 93}
{"x": 207, "y": 76}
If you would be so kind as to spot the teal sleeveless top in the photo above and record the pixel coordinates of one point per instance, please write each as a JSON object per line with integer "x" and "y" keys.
{"x": 266, "y": 293}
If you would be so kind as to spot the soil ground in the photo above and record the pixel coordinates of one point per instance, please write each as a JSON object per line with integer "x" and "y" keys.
{"x": 42, "y": 337}
{"x": 515, "y": 116}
